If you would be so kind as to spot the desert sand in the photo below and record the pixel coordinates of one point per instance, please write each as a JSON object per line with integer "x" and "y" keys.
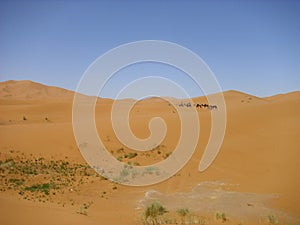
{"x": 254, "y": 178}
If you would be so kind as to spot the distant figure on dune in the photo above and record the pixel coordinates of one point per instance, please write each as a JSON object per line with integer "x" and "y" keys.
{"x": 198, "y": 105}
{"x": 210, "y": 107}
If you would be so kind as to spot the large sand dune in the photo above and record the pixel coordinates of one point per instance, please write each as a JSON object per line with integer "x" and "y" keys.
{"x": 260, "y": 155}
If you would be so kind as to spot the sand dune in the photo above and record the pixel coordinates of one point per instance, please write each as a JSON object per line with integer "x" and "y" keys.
{"x": 29, "y": 90}
{"x": 260, "y": 153}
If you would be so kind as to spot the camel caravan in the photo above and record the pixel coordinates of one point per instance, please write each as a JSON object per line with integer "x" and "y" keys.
{"x": 210, "y": 107}
{"x": 198, "y": 105}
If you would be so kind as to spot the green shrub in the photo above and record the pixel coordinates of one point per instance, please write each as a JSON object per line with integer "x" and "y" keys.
{"x": 83, "y": 210}
{"x": 221, "y": 216}
{"x": 153, "y": 211}
{"x": 17, "y": 182}
{"x": 45, "y": 188}
{"x": 182, "y": 212}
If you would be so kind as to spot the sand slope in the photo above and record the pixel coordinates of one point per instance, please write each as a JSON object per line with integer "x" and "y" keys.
{"x": 260, "y": 152}
{"x": 29, "y": 90}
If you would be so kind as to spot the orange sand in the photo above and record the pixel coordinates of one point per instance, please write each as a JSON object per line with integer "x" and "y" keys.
{"x": 260, "y": 152}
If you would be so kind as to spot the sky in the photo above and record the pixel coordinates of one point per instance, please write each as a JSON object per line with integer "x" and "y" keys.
{"x": 250, "y": 46}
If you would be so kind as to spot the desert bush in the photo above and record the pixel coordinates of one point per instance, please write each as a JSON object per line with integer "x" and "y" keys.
{"x": 182, "y": 212}
{"x": 153, "y": 211}
{"x": 167, "y": 155}
{"x": 182, "y": 216}
{"x": 130, "y": 155}
{"x": 221, "y": 216}
{"x": 17, "y": 182}
{"x": 45, "y": 188}
{"x": 83, "y": 210}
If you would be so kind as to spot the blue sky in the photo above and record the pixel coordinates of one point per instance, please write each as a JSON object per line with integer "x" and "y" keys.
{"x": 251, "y": 46}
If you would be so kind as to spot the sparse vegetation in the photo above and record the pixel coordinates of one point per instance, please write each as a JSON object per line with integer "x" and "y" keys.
{"x": 182, "y": 212}
{"x": 272, "y": 219}
{"x": 221, "y": 216}
{"x": 83, "y": 210}
{"x": 167, "y": 155}
{"x": 130, "y": 155}
{"x": 136, "y": 164}
{"x": 45, "y": 188}
{"x": 44, "y": 180}
{"x": 153, "y": 211}
{"x": 156, "y": 214}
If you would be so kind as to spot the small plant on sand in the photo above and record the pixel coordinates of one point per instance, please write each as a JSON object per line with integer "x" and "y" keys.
{"x": 45, "y": 188}
{"x": 272, "y": 219}
{"x": 221, "y": 216}
{"x": 120, "y": 150}
{"x": 136, "y": 164}
{"x": 24, "y": 118}
{"x": 153, "y": 211}
{"x": 167, "y": 155}
{"x": 157, "y": 215}
{"x": 130, "y": 155}
{"x": 182, "y": 212}
{"x": 83, "y": 210}
{"x": 16, "y": 182}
